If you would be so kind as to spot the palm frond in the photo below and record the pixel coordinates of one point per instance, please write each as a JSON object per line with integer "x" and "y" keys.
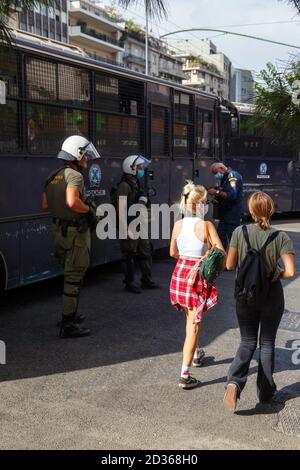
{"x": 155, "y": 8}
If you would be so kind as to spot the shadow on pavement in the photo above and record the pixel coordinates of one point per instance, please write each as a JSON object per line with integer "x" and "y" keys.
{"x": 125, "y": 327}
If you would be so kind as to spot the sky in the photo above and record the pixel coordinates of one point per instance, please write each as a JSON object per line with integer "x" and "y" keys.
{"x": 243, "y": 53}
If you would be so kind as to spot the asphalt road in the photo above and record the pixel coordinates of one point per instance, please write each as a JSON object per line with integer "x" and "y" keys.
{"x": 118, "y": 388}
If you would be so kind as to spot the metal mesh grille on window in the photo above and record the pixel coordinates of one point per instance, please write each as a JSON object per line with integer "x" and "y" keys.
{"x": 159, "y": 131}
{"x": 9, "y": 125}
{"x": 119, "y": 95}
{"x": 41, "y": 80}
{"x": 9, "y": 60}
{"x": 48, "y": 126}
{"x": 119, "y": 136}
{"x": 74, "y": 85}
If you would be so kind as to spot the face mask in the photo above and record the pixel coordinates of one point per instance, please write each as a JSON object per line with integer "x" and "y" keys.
{"x": 140, "y": 174}
{"x": 219, "y": 176}
{"x": 202, "y": 210}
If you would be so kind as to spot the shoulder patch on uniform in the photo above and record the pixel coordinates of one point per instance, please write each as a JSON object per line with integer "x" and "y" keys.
{"x": 232, "y": 179}
{"x": 233, "y": 184}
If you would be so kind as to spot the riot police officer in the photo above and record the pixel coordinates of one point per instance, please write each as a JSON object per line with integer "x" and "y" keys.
{"x": 64, "y": 196}
{"x": 129, "y": 192}
{"x": 229, "y": 196}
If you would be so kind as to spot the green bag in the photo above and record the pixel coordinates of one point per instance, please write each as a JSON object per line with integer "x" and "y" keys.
{"x": 212, "y": 263}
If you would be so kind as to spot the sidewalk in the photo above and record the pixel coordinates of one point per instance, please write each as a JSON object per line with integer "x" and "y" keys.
{"x": 118, "y": 389}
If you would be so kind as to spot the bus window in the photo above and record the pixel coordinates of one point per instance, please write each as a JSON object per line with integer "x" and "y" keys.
{"x": 9, "y": 71}
{"x": 9, "y": 125}
{"x": 47, "y": 81}
{"x": 73, "y": 85}
{"x": 159, "y": 131}
{"x": 204, "y": 132}
{"x": 48, "y": 126}
{"x": 41, "y": 80}
{"x": 129, "y": 130}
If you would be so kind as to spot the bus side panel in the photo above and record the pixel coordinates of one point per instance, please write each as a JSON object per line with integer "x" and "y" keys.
{"x": 10, "y": 251}
{"x": 37, "y": 258}
{"x": 161, "y": 184}
{"x": 274, "y": 177}
{"x": 100, "y": 177}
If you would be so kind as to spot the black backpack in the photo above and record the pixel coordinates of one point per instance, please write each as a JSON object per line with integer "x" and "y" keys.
{"x": 252, "y": 283}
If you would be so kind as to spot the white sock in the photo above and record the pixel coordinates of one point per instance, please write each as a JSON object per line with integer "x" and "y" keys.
{"x": 185, "y": 371}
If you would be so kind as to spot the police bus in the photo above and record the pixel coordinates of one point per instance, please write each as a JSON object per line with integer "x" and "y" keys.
{"x": 264, "y": 167}
{"x": 52, "y": 91}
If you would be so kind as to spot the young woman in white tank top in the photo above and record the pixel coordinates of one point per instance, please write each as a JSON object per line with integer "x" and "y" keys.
{"x": 189, "y": 292}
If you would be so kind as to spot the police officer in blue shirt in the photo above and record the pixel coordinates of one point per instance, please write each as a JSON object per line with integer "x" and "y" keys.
{"x": 229, "y": 194}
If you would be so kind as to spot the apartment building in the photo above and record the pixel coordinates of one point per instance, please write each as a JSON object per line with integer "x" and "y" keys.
{"x": 242, "y": 86}
{"x": 162, "y": 59}
{"x": 96, "y": 29}
{"x": 205, "y": 67}
{"x": 50, "y": 22}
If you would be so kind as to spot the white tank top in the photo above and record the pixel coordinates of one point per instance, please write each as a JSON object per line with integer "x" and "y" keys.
{"x": 189, "y": 246}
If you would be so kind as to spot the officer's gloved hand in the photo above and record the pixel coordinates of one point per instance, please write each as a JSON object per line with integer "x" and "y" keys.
{"x": 143, "y": 200}
{"x": 91, "y": 219}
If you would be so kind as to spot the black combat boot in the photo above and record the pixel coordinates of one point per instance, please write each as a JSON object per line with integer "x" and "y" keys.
{"x": 70, "y": 329}
{"x": 78, "y": 319}
{"x": 132, "y": 288}
{"x": 148, "y": 284}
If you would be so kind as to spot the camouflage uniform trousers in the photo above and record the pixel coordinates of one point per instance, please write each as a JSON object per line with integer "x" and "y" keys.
{"x": 73, "y": 253}
{"x": 142, "y": 249}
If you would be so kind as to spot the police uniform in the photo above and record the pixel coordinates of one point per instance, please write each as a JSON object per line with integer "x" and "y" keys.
{"x": 70, "y": 247}
{"x": 130, "y": 188}
{"x": 231, "y": 208}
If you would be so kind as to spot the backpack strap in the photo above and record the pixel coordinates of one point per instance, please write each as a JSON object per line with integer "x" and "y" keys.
{"x": 269, "y": 240}
{"x": 207, "y": 235}
{"x": 246, "y": 236}
{"x": 51, "y": 178}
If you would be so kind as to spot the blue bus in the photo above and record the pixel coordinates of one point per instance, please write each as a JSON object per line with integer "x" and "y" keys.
{"x": 53, "y": 91}
{"x": 265, "y": 167}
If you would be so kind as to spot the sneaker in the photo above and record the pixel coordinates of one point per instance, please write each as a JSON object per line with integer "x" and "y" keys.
{"x": 230, "y": 397}
{"x": 197, "y": 361}
{"x": 189, "y": 382}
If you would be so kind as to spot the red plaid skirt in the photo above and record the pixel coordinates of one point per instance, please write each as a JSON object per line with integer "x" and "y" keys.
{"x": 188, "y": 290}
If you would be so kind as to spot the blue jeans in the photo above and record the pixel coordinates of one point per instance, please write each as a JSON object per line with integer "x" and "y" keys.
{"x": 267, "y": 317}
{"x": 225, "y": 230}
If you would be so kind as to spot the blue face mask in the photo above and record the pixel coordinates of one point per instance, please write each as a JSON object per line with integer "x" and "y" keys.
{"x": 140, "y": 174}
{"x": 219, "y": 176}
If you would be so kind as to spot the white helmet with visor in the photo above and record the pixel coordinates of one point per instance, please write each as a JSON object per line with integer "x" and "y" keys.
{"x": 131, "y": 163}
{"x": 75, "y": 147}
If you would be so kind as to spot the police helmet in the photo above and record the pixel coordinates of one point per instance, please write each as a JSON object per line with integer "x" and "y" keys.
{"x": 130, "y": 163}
{"x": 75, "y": 147}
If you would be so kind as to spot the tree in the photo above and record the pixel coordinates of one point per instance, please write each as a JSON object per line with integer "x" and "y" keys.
{"x": 295, "y": 3}
{"x": 7, "y": 8}
{"x": 154, "y": 8}
{"x": 277, "y": 104}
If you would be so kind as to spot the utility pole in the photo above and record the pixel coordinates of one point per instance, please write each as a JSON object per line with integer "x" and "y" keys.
{"x": 147, "y": 37}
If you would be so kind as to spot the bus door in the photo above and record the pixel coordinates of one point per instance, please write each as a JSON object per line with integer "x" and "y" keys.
{"x": 183, "y": 144}
{"x": 158, "y": 175}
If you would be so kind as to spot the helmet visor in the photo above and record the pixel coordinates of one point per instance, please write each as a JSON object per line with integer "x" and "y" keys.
{"x": 90, "y": 151}
{"x": 140, "y": 160}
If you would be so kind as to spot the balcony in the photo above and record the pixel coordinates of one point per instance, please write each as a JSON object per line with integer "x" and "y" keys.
{"x": 171, "y": 71}
{"x": 93, "y": 15}
{"x": 84, "y": 36}
{"x": 134, "y": 59}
